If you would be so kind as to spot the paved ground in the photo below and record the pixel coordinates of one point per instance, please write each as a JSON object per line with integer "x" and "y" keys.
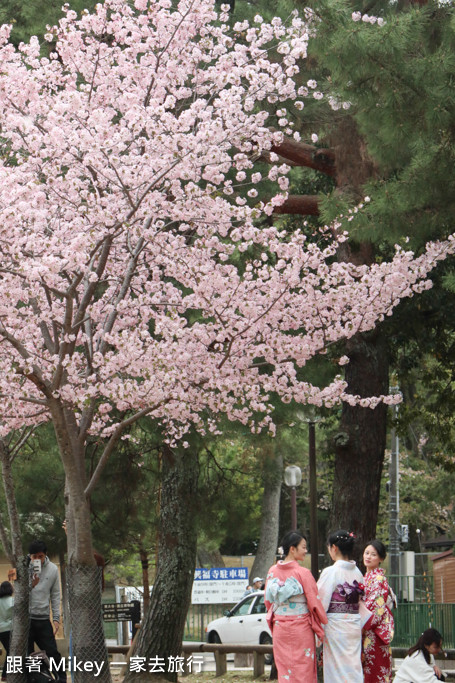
{"x": 233, "y": 675}
{"x": 237, "y": 676}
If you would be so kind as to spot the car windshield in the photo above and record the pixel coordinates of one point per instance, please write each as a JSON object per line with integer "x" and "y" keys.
{"x": 259, "y": 607}
{"x": 243, "y": 608}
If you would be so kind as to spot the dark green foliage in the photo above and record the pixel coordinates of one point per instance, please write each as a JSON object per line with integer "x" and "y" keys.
{"x": 31, "y": 18}
{"x": 399, "y": 81}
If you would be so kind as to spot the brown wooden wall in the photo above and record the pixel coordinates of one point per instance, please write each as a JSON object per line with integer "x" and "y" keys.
{"x": 444, "y": 578}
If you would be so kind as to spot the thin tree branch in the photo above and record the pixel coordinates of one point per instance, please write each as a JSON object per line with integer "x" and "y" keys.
{"x": 113, "y": 440}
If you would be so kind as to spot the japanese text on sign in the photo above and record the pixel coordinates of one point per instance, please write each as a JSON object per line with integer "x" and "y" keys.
{"x": 219, "y": 584}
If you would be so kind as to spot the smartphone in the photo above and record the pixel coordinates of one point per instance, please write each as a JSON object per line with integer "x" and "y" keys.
{"x": 36, "y": 564}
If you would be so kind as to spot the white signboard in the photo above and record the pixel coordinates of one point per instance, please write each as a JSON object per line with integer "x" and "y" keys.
{"x": 219, "y": 585}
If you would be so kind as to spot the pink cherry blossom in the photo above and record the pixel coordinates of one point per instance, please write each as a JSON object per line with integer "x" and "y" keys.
{"x": 122, "y": 284}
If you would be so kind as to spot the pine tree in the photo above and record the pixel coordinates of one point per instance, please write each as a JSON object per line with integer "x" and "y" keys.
{"x": 385, "y": 127}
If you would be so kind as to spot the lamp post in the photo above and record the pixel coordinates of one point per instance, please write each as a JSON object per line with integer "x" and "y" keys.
{"x": 313, "y": 500}
{"x": 310, "y": 417}
{"x": 293, "y": 478}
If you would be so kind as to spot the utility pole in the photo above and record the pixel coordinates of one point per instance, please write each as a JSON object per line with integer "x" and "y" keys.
{"x": 394, "y": 507}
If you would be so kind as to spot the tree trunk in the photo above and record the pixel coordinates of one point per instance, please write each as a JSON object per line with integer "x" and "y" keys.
{"x": 145, "y": 577}
{"x": 84, "y": 577}
{"x": 360, "y": 443}
{"x": 19, "y": 634}
{"x": 65, "y": 599}
{"x": 84, "y": 592}
{"x": 272, "y": 474}
{"x": 209, "y": 558}
{"x": 15, "y": 549}
{"x": 161, "y": 633}
{"x": 361, "y": 440}
{"x": 7, "y": 551}
{"x": 89, "y": 646}
{"x": 21, "y": 619}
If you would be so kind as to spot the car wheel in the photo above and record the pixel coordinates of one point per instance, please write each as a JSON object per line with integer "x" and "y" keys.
{"x": 267, "y": 640}
{"x": 214, "y": 637}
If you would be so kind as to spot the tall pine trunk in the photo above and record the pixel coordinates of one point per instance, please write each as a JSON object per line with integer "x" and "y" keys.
{"x": 143, "y": 555}
{"x": 360, "y": 444}
{"x": 161, "y": 634}
{"x": 361, "y": 439}
{"x": 272, "y": 477}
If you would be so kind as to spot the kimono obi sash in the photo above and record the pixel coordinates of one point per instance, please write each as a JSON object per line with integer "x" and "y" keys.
{"x": 294, "y": 606}
{"x": 345, "y": 599}
{"x": 287, "y": 597}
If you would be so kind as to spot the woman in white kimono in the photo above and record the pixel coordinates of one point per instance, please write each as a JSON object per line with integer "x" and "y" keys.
{"x": 340, "y": 589}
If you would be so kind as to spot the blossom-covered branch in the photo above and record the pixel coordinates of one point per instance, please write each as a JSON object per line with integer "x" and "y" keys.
{"x": 135, "y": 277}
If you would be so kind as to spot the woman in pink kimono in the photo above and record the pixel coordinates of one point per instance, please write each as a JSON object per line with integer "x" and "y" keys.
{"x": 340, "y": 589}
{"x": 377, "y": 653}
{"x": 295, "y": 613}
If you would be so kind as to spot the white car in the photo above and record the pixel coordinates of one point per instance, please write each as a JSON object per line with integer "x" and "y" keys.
{"x": 243, "y": 624}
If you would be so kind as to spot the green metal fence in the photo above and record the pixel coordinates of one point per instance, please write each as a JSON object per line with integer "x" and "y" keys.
{"x": 417, "y": 588}
{"x": 417, "y": 611}
{"x": 199, "y": 616}
{"x": 411, "y": 619}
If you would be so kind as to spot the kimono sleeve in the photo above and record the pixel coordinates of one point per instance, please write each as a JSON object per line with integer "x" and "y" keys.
{"x": 315, "y": 607}
{"x": 267, "y": 602}
{"x": 325, "y": 588}
{"x": 316, "y": 610}
{"x": 382, "y": 623}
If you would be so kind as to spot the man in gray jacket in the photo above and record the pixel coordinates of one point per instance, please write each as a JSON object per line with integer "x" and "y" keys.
{"x": 45, "y": 591}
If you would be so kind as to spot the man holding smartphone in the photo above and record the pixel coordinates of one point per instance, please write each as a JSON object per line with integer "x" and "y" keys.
{"x": 45, "y": 591}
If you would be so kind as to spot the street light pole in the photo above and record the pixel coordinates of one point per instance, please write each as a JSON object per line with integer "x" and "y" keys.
{"x": 313, "y": 500}
{"x": 293, "y": 478}
{"x": 293, "y": 508}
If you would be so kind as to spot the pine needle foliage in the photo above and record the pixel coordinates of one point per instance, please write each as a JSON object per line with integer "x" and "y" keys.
{"x": 398, "y": 79}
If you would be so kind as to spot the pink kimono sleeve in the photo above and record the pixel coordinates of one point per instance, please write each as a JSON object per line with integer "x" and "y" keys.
{"x": 270, "y": 616}
{"x": 315, "y": 608}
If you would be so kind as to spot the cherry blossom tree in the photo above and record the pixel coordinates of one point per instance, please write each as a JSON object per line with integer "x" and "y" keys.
{"x": 135, "y": 277}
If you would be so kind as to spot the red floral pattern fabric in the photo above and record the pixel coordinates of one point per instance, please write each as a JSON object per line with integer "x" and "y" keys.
{"x": 377, "y": 654}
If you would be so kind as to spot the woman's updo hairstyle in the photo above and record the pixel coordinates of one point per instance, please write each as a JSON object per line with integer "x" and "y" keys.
{"x": 344, "y": 541}
{"x": 292, "y": 538}
{"x": 379, "y": 547}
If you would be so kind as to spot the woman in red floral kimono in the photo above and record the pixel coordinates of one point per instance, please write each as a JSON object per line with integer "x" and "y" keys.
{"x": 377, "y": 654}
